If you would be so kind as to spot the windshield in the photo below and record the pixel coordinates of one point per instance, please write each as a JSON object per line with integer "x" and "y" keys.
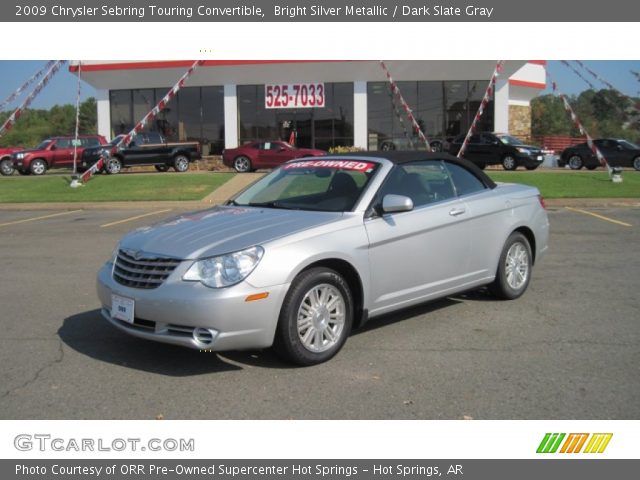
{"x": 322, "y": 185}
{"x": 628, "y": 145}
{"x": 509, "y": 140}
{"x": 44, "y": 145}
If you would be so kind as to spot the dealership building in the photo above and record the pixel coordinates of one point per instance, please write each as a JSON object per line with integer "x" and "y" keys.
{"x": 323, "y": 103}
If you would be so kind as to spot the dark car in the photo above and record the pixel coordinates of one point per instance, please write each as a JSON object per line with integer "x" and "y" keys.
{"x": 487, "y": 148}
{"x": 149, "y": 148}
{"x": 264, "y": 154}
{"x": 617, "y": 152}
{"x": 54, "y": 152}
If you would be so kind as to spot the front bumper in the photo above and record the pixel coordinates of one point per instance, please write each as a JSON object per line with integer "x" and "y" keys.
{"x": 529, "y": 160}
{"x": 194, "y": 316}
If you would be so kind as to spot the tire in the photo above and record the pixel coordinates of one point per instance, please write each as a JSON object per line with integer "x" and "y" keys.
{"x": 636, "y": 163}
{"x": 387, "y": 146}
{"x": 575, "y": 162}
{"x": 162, "y": 168}
{"x": 242, "y": 164}
{"x": 531, "y": 167}
{"x": 592, "y": 167}
{"x": 308, "y": 333}
{"x": 509, "y": 162}
{"x": 181, "y": 163}
{"x": 6, "y": 167}
{"x": 113, "y": 166}
{"x": 38, "y": 167}
{"x": 514, "y": 268}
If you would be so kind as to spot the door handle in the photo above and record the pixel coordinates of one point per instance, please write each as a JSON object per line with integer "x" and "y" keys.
{"x": 454, "y": 212}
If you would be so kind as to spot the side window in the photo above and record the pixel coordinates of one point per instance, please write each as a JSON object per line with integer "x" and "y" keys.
{"x": 464, "y": 181}
{"x": 424, "y": 182}
{"x": 488, "y": 140}
{"x": 63, "y": 143}
{"x": 92, "y": 142}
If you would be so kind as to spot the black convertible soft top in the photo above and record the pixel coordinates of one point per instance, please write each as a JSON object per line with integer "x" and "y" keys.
{"x": 414, "y": 156}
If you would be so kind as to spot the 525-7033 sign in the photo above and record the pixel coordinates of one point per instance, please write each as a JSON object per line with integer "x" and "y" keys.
{"x": 294, "y": 95}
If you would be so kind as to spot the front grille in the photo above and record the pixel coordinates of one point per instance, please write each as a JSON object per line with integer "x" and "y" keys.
{"x": 143, "y": 272}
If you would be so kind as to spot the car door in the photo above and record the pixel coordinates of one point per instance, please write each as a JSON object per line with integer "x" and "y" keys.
{"x": 422, "y": 253}
{"x": 272, "y": 154}
{"x": 476, "y": 151}
{"x": 609, "y": 150}
{"x": 63, "y": 153}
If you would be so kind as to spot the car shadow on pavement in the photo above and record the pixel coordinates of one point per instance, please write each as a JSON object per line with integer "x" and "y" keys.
{"x": 405, "y": 314}
{"x": 89, "y": 334}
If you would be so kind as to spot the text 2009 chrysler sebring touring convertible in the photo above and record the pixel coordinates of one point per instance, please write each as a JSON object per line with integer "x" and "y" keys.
{"x": 319, "y": 246}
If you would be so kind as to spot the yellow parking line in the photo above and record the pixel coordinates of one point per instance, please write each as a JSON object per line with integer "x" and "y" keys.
{"x": 130, "y": 219}
{"x": 601, "y": 217}
{"x": 25, "y": 220}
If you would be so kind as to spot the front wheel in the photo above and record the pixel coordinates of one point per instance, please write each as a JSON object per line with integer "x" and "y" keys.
{"x": 316, "y": 317}
{"x": 514, "y": 268}
{"x": 575, "y": 162}
{"x": 509, "y": 162}
{"x": 6, "y": 167}
{"x": 181, "y": 163}
{"x": 113, "y": 166}
{"x": 636, "y": 163}
{"x": 38, "y": 167}
{"x": 242, "y": 164}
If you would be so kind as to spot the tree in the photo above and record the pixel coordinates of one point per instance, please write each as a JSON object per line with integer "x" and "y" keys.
{"x": 33, "y": 126}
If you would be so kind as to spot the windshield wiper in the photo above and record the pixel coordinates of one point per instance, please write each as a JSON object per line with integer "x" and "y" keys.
{"x": 271, "y": 204}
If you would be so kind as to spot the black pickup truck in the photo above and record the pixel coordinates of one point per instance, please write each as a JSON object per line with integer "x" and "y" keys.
{"x": 145, "y": 149}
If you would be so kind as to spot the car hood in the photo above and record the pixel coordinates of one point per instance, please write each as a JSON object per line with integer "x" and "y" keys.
{"x": 221, "y": 230}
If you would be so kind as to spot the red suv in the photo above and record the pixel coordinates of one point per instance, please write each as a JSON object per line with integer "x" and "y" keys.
{"x": 54, "y": 152}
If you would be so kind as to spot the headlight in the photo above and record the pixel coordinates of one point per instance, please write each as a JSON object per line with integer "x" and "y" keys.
{"x": 21, "y": 156}
{"x": 225, "y": 270}
{"x": 526, "y": 151}
{"x": 114, "y": 255}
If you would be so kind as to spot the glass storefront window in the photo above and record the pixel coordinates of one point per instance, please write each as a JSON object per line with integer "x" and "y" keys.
{"x": 189, "y": 115}
{"x": 213, "y": 119}
{"x": 143, "y": 101}
{"x": 121, "y": 115}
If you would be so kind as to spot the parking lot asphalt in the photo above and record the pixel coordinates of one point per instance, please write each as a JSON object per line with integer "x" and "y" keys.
{"x": 568, "y": 349}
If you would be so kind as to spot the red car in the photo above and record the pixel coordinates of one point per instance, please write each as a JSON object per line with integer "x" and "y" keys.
{"x": 6, "y": 164}
{"x": 264, "y": 154}
{"x": 53, "y": 152}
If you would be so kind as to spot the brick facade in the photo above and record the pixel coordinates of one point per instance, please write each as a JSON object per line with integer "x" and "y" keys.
{"x": 520, "y": 121}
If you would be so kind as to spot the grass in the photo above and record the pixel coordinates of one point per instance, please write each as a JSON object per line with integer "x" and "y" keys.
{"x": 111, "y": 188}
{"x": 575, "y": 184}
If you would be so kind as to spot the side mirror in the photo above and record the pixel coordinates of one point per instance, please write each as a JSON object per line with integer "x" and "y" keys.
{"x": 619, "y": 147}
{"x": 396, "y": 203}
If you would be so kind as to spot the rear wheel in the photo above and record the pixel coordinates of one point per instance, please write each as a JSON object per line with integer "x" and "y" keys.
{"x": 242, "y": 164}
{"x": 38, "y": 166}
{"x": 509, "y": 162}
{"x": 575, "y": 162}
{"x": 387, "y": 146}
{"x": 6, "y": 167}
{"x": 316, "y": 317}
{"x": 514, "y": 268}
{"x": 636, "y": 163}
{"x": 161, "y": 168}
{"x": 181, "y": 163}
{"x": 113, "y": 166}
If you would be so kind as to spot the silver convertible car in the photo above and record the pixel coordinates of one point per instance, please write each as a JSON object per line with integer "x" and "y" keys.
{"x": 318, "y": 247}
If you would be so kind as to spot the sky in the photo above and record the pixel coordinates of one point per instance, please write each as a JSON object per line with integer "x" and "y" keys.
{"x": 62, "y": 89}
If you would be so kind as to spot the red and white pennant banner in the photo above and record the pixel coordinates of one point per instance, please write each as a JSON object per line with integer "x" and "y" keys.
{"x": 96, "y": 167}
{"x": 6, "y": 126}
{"x": 576, "y": 121}
{"x": 405, "y": 106}
{"x": 483, "y": 104}
{"x": 586, "y": 80}
{"x": 24, "y": 86}
{"x": 595, "y": 75}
